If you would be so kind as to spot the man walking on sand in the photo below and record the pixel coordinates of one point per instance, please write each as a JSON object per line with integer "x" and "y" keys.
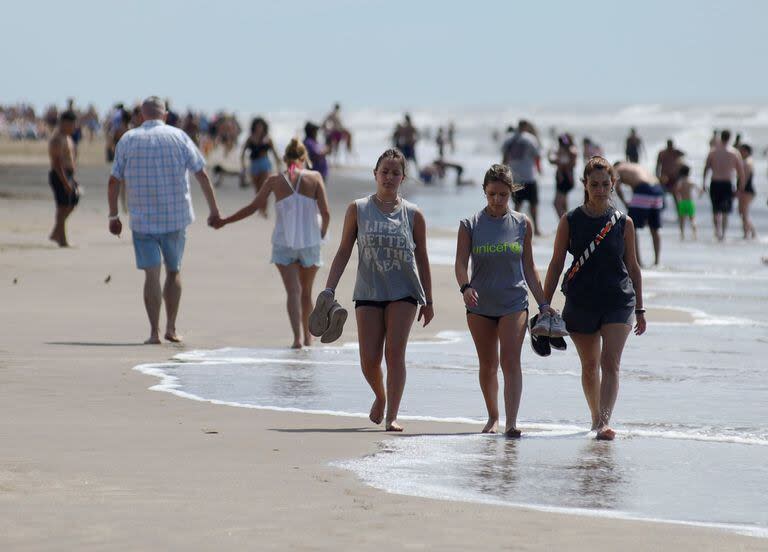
{"x": 723, "y": 161}
{"x": 645, "y": 205}
{"x": 152, "y": 161}
{"x": 61, "y": 150}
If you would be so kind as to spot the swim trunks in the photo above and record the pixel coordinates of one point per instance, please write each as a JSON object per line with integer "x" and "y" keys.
{"x": 686, "y": 208}
{"x": 721, "y": 195}
{"x": 63, "y": 197}
{"x": 646, "y": 205}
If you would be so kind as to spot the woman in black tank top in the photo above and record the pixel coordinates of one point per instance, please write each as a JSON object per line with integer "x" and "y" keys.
{"x": 603, "y": 292}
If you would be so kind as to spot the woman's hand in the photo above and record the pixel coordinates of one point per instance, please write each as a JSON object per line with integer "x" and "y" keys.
{"x": 549, "y": 310}
{"x": 470, "y": 297}
{"x": 640, "y": 323}
{"x": 427, "y": 312}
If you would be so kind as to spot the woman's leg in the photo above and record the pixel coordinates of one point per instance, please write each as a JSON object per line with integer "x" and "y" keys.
{"x": 560, "y": 204}
{"x": 306, "y": 279}
{"x": 290, "y": 275}
{"x": 370, "y": 337}
{"x": 485, "y": 335}
{"x": 258, "y": 181}
{"x": 398, "y": 319}
{"x": 511, "y": 335}
{"x": 614, "y": 338}
{"x": 588, "y": 347}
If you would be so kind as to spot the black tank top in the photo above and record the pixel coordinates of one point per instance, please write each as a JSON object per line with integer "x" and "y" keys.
{"x": 603, "y": 280}
{"x": 257, "y": 150}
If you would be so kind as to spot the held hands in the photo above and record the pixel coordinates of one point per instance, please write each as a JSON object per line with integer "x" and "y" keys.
{"x": 640, "y": 323}
{"x": 215, "y": 221}
{"x": 427, "y": 312}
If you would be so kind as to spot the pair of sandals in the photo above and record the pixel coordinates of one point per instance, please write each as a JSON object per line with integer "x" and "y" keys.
{"x": 543, "y": 344}
{"x": 327, "y": 318}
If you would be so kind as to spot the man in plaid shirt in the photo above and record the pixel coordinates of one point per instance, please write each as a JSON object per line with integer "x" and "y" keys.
{"x": 152, "y": 161}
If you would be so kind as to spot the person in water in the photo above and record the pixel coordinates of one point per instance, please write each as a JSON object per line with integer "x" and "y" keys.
{"x": 603, "y": 293}
{"x": 499, "y": 242}
{"x": 299, "y": 198}
{"x": 393, "y": 282}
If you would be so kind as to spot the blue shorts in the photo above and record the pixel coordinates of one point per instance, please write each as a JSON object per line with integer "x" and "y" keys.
{"x": 307, "y": 256}
{"x": 260, "y": 165}
{"x": 150, "y": 247}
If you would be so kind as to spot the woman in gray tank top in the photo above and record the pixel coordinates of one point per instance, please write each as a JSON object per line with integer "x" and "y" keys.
{"x": 498, "y": 241}
{"x": 393, "y": 281}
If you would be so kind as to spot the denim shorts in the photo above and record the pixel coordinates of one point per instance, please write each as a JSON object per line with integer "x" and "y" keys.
{"x": 150, "y": 247}
{"x": 260, "y": 165}
{"x": 307, "y": 256}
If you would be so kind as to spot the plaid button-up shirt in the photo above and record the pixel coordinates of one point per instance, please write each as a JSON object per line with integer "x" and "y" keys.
{"x": 152, "y": 161}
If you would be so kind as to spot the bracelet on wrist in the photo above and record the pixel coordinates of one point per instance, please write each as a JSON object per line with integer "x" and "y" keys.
{"x": 463, "y": 288}
{"x": 428, "y": 303}
{"x": 114, "y": 217}
{"x": 543, "y": 306}
{"x": 640, "y": 311}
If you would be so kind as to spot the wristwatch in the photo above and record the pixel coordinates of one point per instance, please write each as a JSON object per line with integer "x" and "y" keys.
{"x": 463, "y": 288}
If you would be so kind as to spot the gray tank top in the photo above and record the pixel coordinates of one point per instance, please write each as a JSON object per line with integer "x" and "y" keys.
{"x": 386, "y": 267}
{"x": 497, "y": 263}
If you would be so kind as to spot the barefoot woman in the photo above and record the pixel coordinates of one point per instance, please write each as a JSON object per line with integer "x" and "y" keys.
{"x": 392, "y": 278}
{"x": 299, "y": 197}
{"x": 604, "y": 292}
{"x": 499, "y": 242}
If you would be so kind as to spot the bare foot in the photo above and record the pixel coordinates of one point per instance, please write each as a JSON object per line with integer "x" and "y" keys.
{"x": 308, "y": 341}
{"x": 394, "y": 426}
{"x": 492, "y": 426}
{"x": 606, "y": 434}
{"x": 153, "y": 340}
{"x": 513, "y": 433}
{"x": 173, "y": 337}
{"x": 296, "y": 345}
{"x": 377, "y": 411}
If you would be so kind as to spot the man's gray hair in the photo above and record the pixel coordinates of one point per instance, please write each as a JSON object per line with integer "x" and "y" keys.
{"x": 153, "y": 107}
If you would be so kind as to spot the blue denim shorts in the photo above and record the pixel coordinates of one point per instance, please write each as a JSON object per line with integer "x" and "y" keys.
{"x": 307, "y": 256}
{"x": 260, "y": 165}
{"x": 150, "y": 247}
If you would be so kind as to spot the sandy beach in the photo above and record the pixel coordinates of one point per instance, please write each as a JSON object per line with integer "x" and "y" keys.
{"x": 94, "y": 460}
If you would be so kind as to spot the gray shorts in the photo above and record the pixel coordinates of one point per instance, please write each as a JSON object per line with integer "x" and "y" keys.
{"x": 589, "y": 321}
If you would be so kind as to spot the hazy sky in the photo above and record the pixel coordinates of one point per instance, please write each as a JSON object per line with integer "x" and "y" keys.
{"x": 252, "y": 55}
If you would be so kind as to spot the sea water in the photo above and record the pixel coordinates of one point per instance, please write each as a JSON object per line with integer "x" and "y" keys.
{"x": 692, "y": 412}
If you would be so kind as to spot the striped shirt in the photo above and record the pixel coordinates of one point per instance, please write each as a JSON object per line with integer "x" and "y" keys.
{"x": 152, "y": 161}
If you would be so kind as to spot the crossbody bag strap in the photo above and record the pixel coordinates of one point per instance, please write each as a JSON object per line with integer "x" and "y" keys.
{"x": 578, "y": 263}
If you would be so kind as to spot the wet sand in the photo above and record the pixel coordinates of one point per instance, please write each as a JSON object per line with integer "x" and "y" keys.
{"x": 94, "y": 460}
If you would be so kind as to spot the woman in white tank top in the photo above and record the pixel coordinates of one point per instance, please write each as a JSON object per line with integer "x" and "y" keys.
{"x": 301, "y": 223}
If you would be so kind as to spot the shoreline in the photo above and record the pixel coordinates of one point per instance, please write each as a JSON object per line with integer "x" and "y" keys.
{"x": 97, "y": 461}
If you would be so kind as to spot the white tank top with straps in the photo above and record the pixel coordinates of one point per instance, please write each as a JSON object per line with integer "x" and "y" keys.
{"x": 297, "y": 223}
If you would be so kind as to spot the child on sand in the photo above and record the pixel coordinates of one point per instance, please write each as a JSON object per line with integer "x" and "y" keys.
{"x": 686, "y": 209}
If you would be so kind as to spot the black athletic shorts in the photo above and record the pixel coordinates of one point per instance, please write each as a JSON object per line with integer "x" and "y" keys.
{"x": 721, "y": 195}
{"x": 588, "y": 321}
{"x": 383, "y": 304}
{"x": 60, "y": 194}
{"x": 641, "y": 217}
{"x": 529, "y": 193}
